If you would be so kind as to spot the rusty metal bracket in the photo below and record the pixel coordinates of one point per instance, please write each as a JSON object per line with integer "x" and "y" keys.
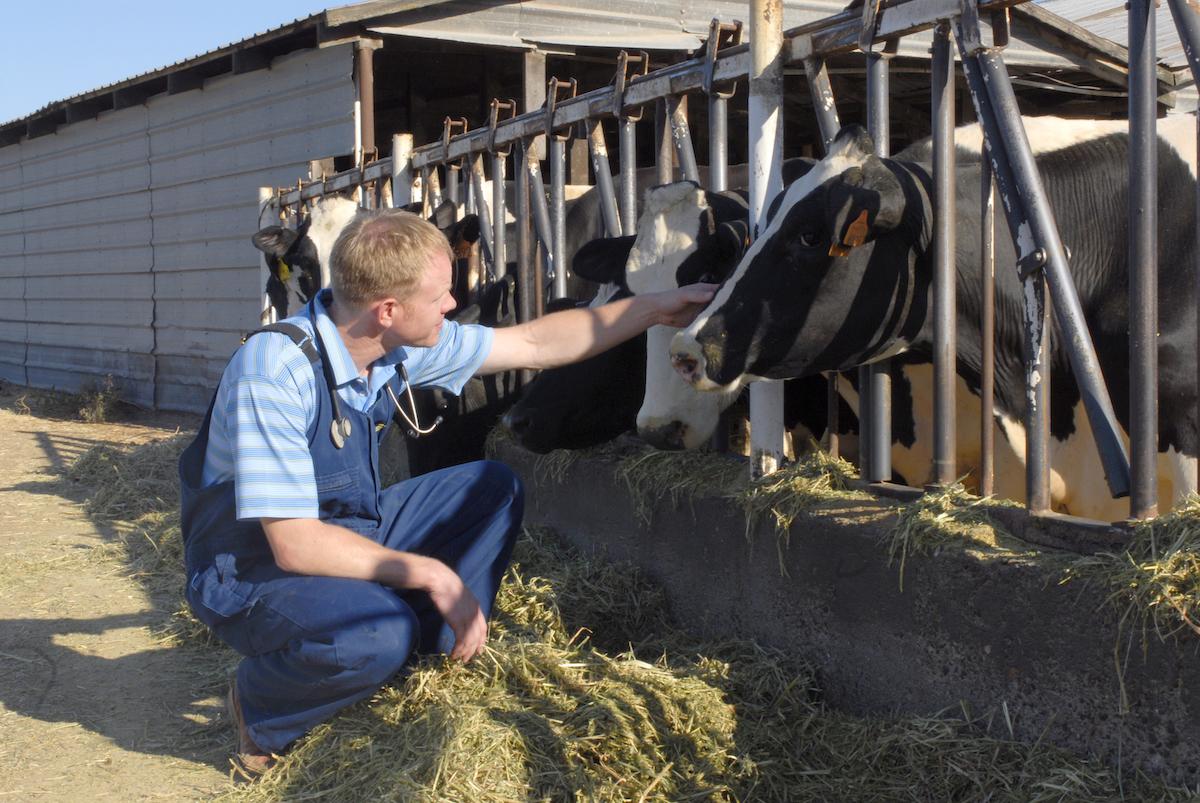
{"x": 1000, "y": 28}
{"x": 509, "y": 107}
{"x": 720, "y": 35}
{"x": 558, "y": 90}
{"x": 870, "y": 25}
{"x": 622, "y": 77}
{"x": 450, "y": 127}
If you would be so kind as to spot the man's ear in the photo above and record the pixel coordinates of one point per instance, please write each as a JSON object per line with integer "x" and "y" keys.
{"x": 274, "y": 241}
{"x": 603, "y": 260}
{"x": 865, "y": 202}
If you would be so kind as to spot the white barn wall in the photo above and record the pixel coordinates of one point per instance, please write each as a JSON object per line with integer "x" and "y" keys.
{"x": 210, "y": 150}
{"x": 125, "y": 240}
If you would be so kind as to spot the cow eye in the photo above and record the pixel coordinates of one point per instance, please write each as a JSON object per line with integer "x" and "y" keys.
{"x": 810, "y": 239}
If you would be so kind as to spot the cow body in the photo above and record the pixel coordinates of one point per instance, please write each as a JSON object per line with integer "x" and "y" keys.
{"x": 793, "y": 309}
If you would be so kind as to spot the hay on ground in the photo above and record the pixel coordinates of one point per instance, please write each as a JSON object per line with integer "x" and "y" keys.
{"x": 652, "y": 476}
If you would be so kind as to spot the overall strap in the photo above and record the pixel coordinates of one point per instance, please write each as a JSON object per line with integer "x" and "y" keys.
{"x": 298, "y": 336}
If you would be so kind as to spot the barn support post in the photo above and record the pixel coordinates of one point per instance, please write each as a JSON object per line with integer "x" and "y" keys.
{"x": 944, "y": 341}
{"x": 766, "y": 181}
{"x": 1032, "y": 227}
{"x": 987, "y": 328}
{"x": 485, "y": 219}
{"x": 364, "y": 73}
{"x": 402, "y": 169}
{"x": 820, "y": 88}
{"x": 681, "y": 136}
{"x": 598, "y": 149}
{"x": 874, "y": 380}
{"x": 1143, "y": 262}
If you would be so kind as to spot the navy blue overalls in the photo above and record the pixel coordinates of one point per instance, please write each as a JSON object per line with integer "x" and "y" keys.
{"x": 314, "y": 645}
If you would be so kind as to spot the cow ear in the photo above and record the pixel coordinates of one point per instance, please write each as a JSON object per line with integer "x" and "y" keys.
{"x": 445, "y": 216}
{"x": 603, "y": 261}
{"x": 864, "y": 203}
{"x": 468, "y": 229}
{"x": 274, "y": 241}
{"x": 732, "y": 239}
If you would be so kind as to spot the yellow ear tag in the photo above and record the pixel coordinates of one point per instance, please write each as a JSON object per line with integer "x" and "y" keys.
{"x": 285, "y": 272}
{"x": 856, "y": 235}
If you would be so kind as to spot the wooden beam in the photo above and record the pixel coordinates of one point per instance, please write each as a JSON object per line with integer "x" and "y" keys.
{"x": 533, "y": 80}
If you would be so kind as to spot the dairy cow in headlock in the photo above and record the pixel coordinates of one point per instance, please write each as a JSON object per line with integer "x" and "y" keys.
{"x": 842, "y": 276}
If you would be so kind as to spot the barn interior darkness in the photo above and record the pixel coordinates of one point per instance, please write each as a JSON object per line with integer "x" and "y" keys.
{"x": 420, "y": 82}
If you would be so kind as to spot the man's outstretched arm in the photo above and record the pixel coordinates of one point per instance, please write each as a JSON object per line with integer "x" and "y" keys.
{"x": 312, "y": 547}
{"x": 576, "y": 334}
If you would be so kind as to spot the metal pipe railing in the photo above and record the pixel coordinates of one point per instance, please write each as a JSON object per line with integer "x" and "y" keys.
{"x": 875, "y": 382}
{"x": 944, "y": 275}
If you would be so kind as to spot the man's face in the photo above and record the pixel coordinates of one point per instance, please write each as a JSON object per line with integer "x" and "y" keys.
{"x": 419, "y": 317}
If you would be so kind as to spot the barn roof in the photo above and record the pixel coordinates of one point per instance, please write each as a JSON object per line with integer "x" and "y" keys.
{"x": 1083, "y": 37}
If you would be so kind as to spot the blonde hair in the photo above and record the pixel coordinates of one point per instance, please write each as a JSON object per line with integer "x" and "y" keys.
{"x": 382, "y": 253}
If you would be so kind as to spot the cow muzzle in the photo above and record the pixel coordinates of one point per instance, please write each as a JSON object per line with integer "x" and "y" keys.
{"x": 671, "y": 436}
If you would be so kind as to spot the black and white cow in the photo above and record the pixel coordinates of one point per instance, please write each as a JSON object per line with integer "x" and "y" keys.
{"x": 686, "y": 235}
{"x": 298, "y": 259}
{"x": 793, "y": 309}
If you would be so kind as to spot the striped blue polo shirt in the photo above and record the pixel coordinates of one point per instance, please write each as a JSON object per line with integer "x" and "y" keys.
{"x": 266, "y": 404}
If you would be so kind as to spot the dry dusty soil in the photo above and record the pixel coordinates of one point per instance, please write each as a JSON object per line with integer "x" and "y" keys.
{"x": 93, "y": 705}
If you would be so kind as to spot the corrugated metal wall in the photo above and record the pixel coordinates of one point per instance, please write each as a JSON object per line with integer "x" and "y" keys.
{"x": 124, "y": 241}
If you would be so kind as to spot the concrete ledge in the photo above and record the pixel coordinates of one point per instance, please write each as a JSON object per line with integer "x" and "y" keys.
{"x": 985, "y": 630}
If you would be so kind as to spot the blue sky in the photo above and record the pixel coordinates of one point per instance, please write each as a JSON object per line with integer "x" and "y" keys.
{"x": 56, "y": 49}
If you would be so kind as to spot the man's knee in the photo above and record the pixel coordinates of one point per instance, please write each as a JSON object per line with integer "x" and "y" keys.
{"x": 375, "y": 649}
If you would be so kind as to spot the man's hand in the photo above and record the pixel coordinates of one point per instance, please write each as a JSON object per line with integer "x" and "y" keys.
{"x": 679, "y": 307}
{"x": 458, "y": 606}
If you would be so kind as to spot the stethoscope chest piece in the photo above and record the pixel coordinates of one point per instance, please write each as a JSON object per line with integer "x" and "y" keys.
{"x": 339, "y": 430}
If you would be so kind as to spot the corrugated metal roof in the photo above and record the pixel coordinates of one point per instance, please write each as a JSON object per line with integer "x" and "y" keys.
{"x": 1110, "y": 19}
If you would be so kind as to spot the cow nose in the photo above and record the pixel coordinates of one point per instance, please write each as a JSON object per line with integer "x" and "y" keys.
{"x": 688, "y": 364}
{"x": 668, "y": 436}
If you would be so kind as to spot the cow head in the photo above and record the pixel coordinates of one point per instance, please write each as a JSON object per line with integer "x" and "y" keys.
{"x": 685, "y": 235}
{"x": 829, "y": 284}
{"x": 298, "y": 260}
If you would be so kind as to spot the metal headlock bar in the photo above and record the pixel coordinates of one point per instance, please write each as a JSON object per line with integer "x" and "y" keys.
{"x": 627, "y": 120}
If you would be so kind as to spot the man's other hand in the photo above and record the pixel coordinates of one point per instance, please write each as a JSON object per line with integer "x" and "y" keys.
{"x": 458, "y": 606}
{"x": 679, "y": 307}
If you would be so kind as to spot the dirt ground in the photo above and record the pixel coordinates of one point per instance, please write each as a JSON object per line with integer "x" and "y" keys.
{"x": 93, "y": 705}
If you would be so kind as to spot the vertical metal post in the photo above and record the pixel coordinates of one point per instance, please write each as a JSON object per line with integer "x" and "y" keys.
{"x": 266, "y": 313}
{"x": 558, "y": 213}
{"x": 481, "y": 209}
{"x": 766, "y": 181}
{"x": 681, "y": 135}
{"x": 875, "y": 424}
{"x": 628, "y": 128}
{"x": 364, "y": 53}
{"x": 402, "y": 169}
{"x": 453, "y": 192}
{"x": 664, "y": 158}
{"x": 499, "y": 225}
{"x": 987, "y": 328}
{"x": 542, "y": 226}
{"x": 1143, "y": 262}
{"x": 718, "y": 143}
{"x": 944, "y": 352}
{"x": 525, "y": 279}
{"x": 1187, "y": 23}
{"x": 604, "y": 182}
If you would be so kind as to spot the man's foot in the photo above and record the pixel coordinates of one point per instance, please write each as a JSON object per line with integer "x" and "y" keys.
{"x": 250, "y": 761}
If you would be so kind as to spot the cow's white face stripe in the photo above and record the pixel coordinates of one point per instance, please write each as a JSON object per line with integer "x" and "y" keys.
{"x": 667, "y": 233}
{"x": 821, "y": 172}
{"x": 669, "y": 399}
{"x": 329, "y": 217}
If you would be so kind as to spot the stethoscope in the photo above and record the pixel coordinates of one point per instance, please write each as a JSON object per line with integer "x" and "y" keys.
{"x": 340, "y": 427}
